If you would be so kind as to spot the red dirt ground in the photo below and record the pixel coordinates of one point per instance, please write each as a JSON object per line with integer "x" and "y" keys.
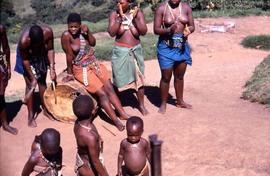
{"x": 222, "y": 135}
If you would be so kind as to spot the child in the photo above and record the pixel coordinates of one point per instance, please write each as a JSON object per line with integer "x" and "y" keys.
{"x": 46, "y": 155}
{"x": 89, "y": 143}
{"x": 134, "y": 150}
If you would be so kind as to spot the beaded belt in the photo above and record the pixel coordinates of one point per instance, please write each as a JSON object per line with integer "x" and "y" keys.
{"x": 176, "y": 42}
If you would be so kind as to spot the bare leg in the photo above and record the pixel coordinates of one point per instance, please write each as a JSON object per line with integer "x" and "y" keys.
{"x": 115, "y": 100}
{"x": 166, "y": 75}
{"x": 179, "y": 72}
{"x": 29, "y": 104}
{"x": 105, "y": 103}
{"x": 3, "y": 117}
{"x": 42, "y": 87}
{"x": 140, "y": 95}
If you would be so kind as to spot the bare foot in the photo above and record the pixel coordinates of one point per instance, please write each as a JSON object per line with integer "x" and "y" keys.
{"x": 47, "y": 114}
{"x": 124, "y": 116}
{"x": 10, "y": 129}
{"x": 183, "y": 104}
{"x": 119, "y": 125}
{"x": 162, "y": 108}
{"x": 143, "y": 110}
{"x": 32, "y": 123}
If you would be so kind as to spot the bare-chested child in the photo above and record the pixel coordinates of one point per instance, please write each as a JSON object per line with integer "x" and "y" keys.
{"x": 134, "y": 150}
{"x": 89, "y": 143}
{"x": 46, "y": 155}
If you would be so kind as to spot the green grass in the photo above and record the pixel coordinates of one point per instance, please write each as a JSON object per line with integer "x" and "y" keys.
{"x": 257, "y": 88}
{"x": 257, "y": 42}
{"x": 101, "y": 26}
{"x": 230, "y": 13}
{"x": 103, "y": 49}
{"x": 104, "y": 46}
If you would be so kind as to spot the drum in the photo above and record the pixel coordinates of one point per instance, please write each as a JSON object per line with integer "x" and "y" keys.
{"x": 59, "y": 100}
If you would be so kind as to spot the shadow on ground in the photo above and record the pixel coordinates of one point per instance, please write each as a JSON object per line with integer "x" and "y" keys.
{"x": 13, "y": 107}
{"x": 152, "y": 93}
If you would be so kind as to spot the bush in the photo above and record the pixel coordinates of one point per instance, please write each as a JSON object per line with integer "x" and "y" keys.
{"x": 227, "y": 4}
{"x": 257, "y": 88}
{"x": 257, "y": 42}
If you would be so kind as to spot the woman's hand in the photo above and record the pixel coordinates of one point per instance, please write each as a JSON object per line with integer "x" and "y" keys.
{"x": 68, "y": 78}
{"x": 120, "y": 10}
{"x": 9, "y": 73}
{"x": 186, "y": 31}
{"x": 173, "y": 28}
{"x": 33, "y": 83}
{"x": 53, "y": 74}
{"x": 84, "y": 29}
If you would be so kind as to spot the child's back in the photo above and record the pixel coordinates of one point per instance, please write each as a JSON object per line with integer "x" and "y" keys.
{"x": 87, "y": 138}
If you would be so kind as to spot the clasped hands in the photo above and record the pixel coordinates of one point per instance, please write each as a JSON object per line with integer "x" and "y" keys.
{"x": 175, "y": 27}
{"x": 132, "y": 12}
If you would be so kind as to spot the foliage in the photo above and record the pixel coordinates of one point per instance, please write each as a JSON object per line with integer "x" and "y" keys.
{"x": 49, "y": 12}
{"x": 6, "y": 12}
{"x": 257, "y": 88}
{"x": 229, "y": 12}
{"x": 228, "y": 4}
{"x": 257, "y": 42}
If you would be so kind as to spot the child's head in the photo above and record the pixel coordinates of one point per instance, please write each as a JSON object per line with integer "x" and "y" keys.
{"x": 83, "y": 107}
{"x": 74, "y": 23}
{"x": 50, "y": 142}
{"x": 134, "y": 128}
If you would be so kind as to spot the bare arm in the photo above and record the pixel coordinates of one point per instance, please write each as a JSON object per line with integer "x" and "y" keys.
{"x": 158, "y": 20}
{"x": 23, "y": 46}
{"x": 30, "y": 164}
{"x": 120, "y": 158}
{"x": 93, "y": 149}
{"x": 148, "y": 150}
{"x": 66, "y": 46}
{"x": 139, "y": 22}
{"x": 114, "y": 26}
{"x": 51, "y": 53}
{"x": 191, "y": 25}
{"x": 6, "y": 49}
{"x": 88, "y": 35}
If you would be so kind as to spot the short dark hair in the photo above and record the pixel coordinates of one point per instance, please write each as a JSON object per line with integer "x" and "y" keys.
{"x": 74, "y": 18}
{"x": 36, "y": 34}
{"x": 83, "y": 106}
{"x": 135, "y": 120}
{"x": 50, "y": 138}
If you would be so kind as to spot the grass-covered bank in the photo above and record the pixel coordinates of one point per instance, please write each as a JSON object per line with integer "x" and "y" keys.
{"x": 257, "y": 88}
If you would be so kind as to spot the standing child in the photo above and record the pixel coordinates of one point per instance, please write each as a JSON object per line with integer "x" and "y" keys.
{"x": 89, "y": 143}
{"x": 46, "y": 155}
{"x": 134, "y": 150}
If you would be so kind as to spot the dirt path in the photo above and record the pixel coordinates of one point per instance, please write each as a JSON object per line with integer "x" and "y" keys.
{"x": 222, "y": 135}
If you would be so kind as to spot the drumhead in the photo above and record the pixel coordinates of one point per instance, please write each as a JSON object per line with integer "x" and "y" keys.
{"x": 59, "y": 101}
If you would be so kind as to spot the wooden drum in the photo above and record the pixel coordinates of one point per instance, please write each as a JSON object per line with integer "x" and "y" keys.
{"x": 58, "y": 101}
